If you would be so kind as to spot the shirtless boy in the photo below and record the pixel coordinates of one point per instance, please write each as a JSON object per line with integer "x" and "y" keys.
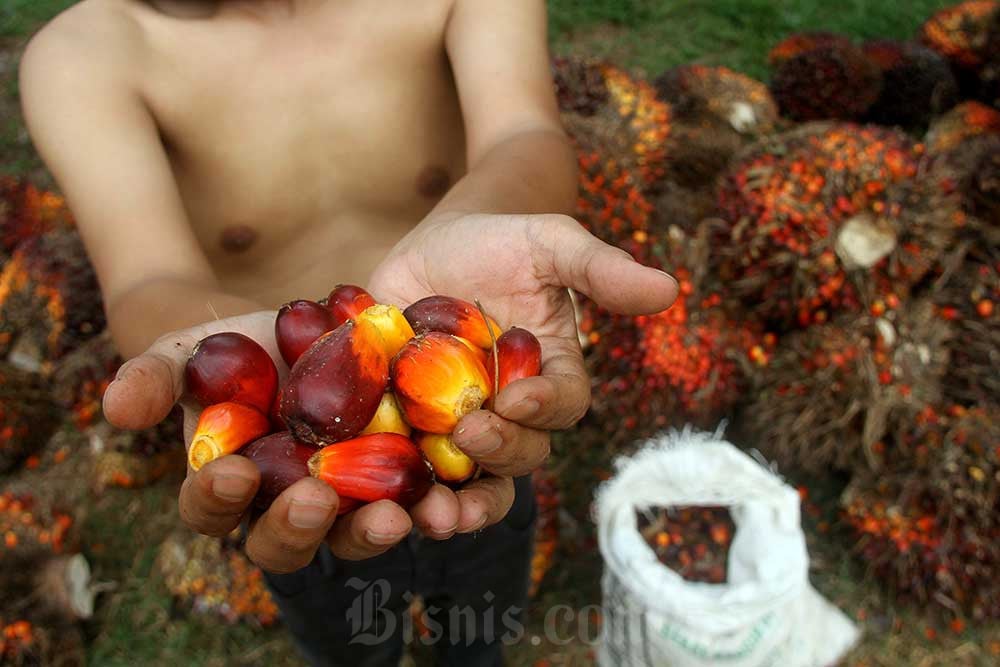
{"x": 225, "y": 156}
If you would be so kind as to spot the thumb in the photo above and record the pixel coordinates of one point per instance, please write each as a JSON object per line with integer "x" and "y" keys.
{"x": 608, "y": 275}
{"x": 147, "y": 387}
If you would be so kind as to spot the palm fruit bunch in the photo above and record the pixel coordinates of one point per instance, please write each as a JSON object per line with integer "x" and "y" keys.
{"x": 580, "y": 86}
{"x": 928, "y": 527}
{"x": 832, "y": 393}
{"x": 686, "y": 364}
{"x": 692, "y": 541}
{"x": 917, "y": 83}
{"x": 50, "y": 301}
{"x": 31, "y": 530}
{"x": 24, "y": 643}
{"x": 961, "y": 33}
{"x": 135, "y": 459}
{"x": 832, "y": 80}
{"x": 546, "y": 527}
{"x": 80, "y": 378}
{"x": 27, "y": 212}
{"x": 27, "y": 415}
{"x": 967, "y": 120}
{"x": 801, "y": 42}
{"x": 213, "y": 576}
{"x": 715, "y": 112}
{"x": 372, "y": 396}
{"x": 827, "y": 218}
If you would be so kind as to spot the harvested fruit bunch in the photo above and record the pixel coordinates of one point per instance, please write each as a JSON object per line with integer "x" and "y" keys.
{"x": 834, "y": 81}
{"x": 27, "y": 415}
{"x": 31, "y": 530}
{"x": 801, "y": 42}
{"x": 828, "y": 218}
{"x": 959, "y": 33}
{"x": 967, "y": 120}
{"x": 832, "y": 394}
{"x": 917, "y": 83}
{"x": 27, "y": 212}
{"x": 692, "y": 541}
{"x": 928, "y": 526}
{"x": 364, "y": 379}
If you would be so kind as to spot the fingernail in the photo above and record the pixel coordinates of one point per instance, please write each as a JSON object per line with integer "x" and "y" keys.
{"x": 232, "y": 488}
{"x": 523, "y": 409}
{"x": 308, "y": 515}
{"x": 382, "y": 539}
{"x": 486, "y": 442}
{"x": 428, "y": 530}
{"x": 477, "y": 526}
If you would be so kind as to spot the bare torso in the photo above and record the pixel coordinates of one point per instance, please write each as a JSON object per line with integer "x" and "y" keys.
{"x": 304, "y": 146}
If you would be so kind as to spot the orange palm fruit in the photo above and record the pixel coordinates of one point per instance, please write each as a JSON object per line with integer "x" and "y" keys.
{"x": 480, "y": 353}
{"x": 389, "y": 320}
{"x": 229, "y": 366}
{"x": 388, "y": 418}
{"x": 347, "y": 302}
{"x": 437, "y": 380}
{"x": 381, "y": 466}
{"x": 454, "y": 316}
{"x": 519, "y": 354}
{"x": 334, "y": 389}
{"x": 450, "y": 463}
{"x": 223, "y": 429}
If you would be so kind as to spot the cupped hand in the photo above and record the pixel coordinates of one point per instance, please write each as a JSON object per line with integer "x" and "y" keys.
{"x": 216, "y": 499}
{"x": 520, "y": 268}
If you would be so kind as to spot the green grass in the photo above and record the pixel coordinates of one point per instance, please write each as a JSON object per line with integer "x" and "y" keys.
{"x": 18, "y": 17}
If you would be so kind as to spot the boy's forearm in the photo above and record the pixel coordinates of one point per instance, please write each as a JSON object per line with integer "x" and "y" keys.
{"x": 531, "y": 172}
{"x": 146, "y": 312}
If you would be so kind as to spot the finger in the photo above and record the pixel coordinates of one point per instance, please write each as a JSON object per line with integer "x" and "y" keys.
{"x": 484, "y": 502}
{"x": 285, "y": 538}
{"x": 499, "y": 445}
{"x": 568, "y": 256}
{"x": 437, "y": 513}
{"x": 369, "y": 531}
{"x": 556, "y": 399}
{"x": 213, "y": 500}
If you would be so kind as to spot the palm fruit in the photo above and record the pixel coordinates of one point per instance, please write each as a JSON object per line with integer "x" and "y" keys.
{"x": 298, "y": 325}
{"x": 450, "y": 463}
{"x": 959, "y": 32}
{"x": 453, "y": 316}
{"x": 388, "y": 418}
{"x": 917, "y": 83}
{"x": 229, "y": 366}
{"x": 281, "y": 460}
{"x": 392, "y": 324}
{"x": 831, "y": 394}
{"x": 827, "y": 218}
{"x": 223, "y": 429}
{"x": 382, "y": 466}
{"x": 518, "y": 356}
{"x": 334, "y": 389}
{"x": 346, "y": 302}
{"x": 437, "y": 380}
{"x": 835, "y": 81}
{"x": 27, "y": 415}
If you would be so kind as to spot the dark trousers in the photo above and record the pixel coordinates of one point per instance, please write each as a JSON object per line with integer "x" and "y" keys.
{"x": 474, "y": 587}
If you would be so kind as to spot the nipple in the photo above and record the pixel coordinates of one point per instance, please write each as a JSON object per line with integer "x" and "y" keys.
{"x": 237, "y": 239}
{"x": 433, "y": 182}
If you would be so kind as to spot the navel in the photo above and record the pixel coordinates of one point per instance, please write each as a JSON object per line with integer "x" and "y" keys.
{"x": 237, "y": 239}
{"x": 433, "y": 182}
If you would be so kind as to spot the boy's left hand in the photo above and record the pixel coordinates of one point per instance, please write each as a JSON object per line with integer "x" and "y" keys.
{"x": 519, "y": 267}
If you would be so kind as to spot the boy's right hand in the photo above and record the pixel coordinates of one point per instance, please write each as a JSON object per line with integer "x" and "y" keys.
{"x": 214, "y": 500}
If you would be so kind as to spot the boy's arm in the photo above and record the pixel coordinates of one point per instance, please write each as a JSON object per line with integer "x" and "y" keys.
{"x": 80, "y": 88}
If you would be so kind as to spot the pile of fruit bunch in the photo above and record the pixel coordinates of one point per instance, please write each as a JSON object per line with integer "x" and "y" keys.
{"x": 692, "y": 541}
{"x": 825, "y": 219}
{"x": 716, "y": 112}
{"x": 961, "y": 33}
{"x": 834, "y": 393}
{"x": 928, "y": 524}
{"x": 966, "y": 120}
{"x": 26, "y": 415}
{"x": 371, "y": 399}
{"x": 917, "y": 83}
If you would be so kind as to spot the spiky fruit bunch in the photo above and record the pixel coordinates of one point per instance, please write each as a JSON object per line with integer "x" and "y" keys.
{"x": 834, "y": 81}
{"x": 798, "y": 43}
{"x": 611, "y": 203}
{"x": 31, "y": 529}
{"x": 27, "y": 212}
{"x": 959, "y": 32}
{"x": 831, "y": 393}
{"x": 546, "y": 526}
{"x": 928, "y": 527}
{"x": 213, "y": 576}
{"x": 50, "y": 301}
{"x": 580, "y": 86}
{"x": 826, "y": 217}
{"x": 917, "y": 83}
{"x": 967, "y": 120}
{"x": 27, "y": 415}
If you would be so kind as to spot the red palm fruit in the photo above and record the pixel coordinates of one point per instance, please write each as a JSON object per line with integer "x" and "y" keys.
{"x": 389, "y": 321}
{"x": 224, "y": 429}
{"x": 231, "y": 367}
{"x": 437, "y": 380}
{"x": 274, "y": 414}
{"x": 347, "y": 302}
{"x": 388, "y": 418}
{"x": 282, "y": 461}
{"x": 520, "y": 356}
{"x": 381, "y": 466}
{"x": 298, "y": 325}
{"x": 335, "y": 388}
{"x": 450, "y": 463}
{"x": 454, "y": 316}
